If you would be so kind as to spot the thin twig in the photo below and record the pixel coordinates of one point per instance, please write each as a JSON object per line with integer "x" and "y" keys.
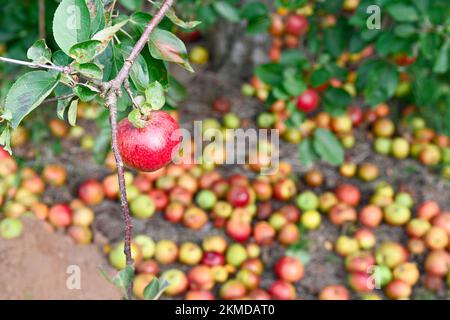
{"x": 130, "y": 93}
{"x": 111, "y": 104}
{"x": 63, "y": 97}
{"x": 62, "y": 69}
{"x": 41, "y": 19}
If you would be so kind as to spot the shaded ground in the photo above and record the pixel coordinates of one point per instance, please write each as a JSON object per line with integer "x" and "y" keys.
{"x": 34, "y": 266}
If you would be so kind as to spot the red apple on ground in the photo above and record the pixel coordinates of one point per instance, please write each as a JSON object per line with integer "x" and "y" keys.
{"x": 263, "y": 233}
{"x": 342, "y": 213}
{"x": 195, "y": 218}
{"x": 166, "y": 251}
{"x": 428, "y": 210}
{"x": 201, "y": 278}
{"x": 398, "y": 289}
{"x": 334, "y": 292}
{"x": 282, "y": 290}
{"x": 54, "y": 174}
{"x": 391, "y": 254}
{"x": 232, "y": 289}
{"x": 361, "y": 282}
{"x": 60, "y": 215}
{"x": 199, "y": 295}
{"x": 178, "y": 282}
{"x": 91, "y": 192}
{"x": 348, "y": 194}
{"x": 190, "y": 253}
{"x": 238, "y": 196}
{"x": 371, "y": 216}
{"x": 238, "y": 229}
{"x": 147, "y": 266}
{"x": 248, "y": 278}
{"x": 437, "y": 263}
{"x": 212, "y": 258}
{"x": 289, "y": 269}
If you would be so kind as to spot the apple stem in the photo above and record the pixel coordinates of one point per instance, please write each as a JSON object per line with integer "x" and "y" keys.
{"x": 130, "y": 94}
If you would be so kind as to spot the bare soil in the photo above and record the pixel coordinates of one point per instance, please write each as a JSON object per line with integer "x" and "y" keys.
{"x": 35, "y": 266}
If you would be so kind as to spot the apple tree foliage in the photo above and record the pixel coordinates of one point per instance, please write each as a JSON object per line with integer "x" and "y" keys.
{"x": 414, "y": 30}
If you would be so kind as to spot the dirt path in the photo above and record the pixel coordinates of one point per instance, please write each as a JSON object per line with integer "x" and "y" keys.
{"x": 34, "y": 266}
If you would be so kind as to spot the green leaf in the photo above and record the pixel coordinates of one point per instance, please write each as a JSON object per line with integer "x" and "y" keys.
{"x": 382, "y": 81}
{"x": 72, "y": 113}
{"x": 405, "y": 30}
{"x": 164, "y": 45}
{"x": 151, "y": 290}
{"x": 320, "y": 77}
{"x": 429, "y": 44}
{"x": 141, "y": 19}
{"x": 174, "y": 18}
{"x": 306, "y": 152}
{"x": 258, "y": 25}
{"x": 97, "y": 14}
{"x": 302, "y": 255}
{"x": 71, "y": 24}
{"x": 385, "y": 43}
{"x": 90, "y": 70}
{"x": 39, "y": 52}
{"x": 157, "y": 70}
{"x": 28, "y": 92}
{"x": 270, "y": 73}
{"x": 334, "y": 39}
{"x": 252, "y": 10}
{"x": 403, "y": 12}
{"x": 206, "y": 15}
{"x": 290, "y": 4}
{"x": 280, "y": 94}
{"x": 294, "y": 85}
{"x": 226, "y": 10}
{"x": 135, "y": 117}
{"x": 102, "y": 141}
{"x": 106, "y": 35}
{"x": 441, "y": 65}
{"x": 5, "y": 138}
{"x": 154, "y": 95}
{"x": 139, "y": 71}
{"x": 328, "y": 147}
{"x": 177, "y": 92}
{"x": 296, "y": 119}
{"x": 86, "y": 51}
{"x": 123, "y": 278}
{"x": 257, "y": 15}
{"x": 336, "y": 100}
{"x": 131, "y": 5}
{"x": 85, "y": 93}
{"x": 293, "y": 58}
{"x": 60, "y": 58}
{"x": 61, "y": 105}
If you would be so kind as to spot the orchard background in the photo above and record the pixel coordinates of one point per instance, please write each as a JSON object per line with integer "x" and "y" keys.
{"x": 357, "y": 90}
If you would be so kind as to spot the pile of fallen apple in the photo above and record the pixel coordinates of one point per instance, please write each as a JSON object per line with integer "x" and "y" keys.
{"x": 20, "y": 196}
